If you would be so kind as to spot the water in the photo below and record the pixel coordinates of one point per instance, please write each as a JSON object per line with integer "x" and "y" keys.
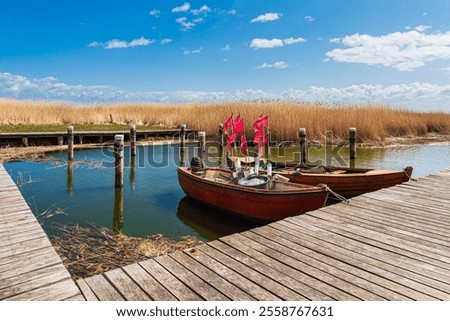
{"x": 152, "y": 201}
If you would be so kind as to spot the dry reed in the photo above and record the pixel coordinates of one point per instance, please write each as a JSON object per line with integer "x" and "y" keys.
{"x": 374, "y": 123}
{"x": 91, "y": 250}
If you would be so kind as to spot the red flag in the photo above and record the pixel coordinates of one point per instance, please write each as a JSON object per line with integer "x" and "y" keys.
{"x": 230, "y": 140}
{"x": 229, "y": 123}
{"x": 238, "y": 124}
{"x": 259, "y": 137}
{"x": 260, "y": 123}
{"x": 244, "y": 145}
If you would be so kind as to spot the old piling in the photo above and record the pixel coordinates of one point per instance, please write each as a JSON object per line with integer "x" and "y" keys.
{"x": 220, "y": 137}
{"x": 201, "y": 145}
{"x": 70, "y": 139}
{"x": 133, "y": 140}
{"x": 182, "y": 136}
{"x": 302, "y": 136}
{"x": 352, "y": 142}
{"x": 118, "y": 160}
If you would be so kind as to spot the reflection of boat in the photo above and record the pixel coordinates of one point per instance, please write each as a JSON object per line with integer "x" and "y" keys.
{"x": 279, "y": 200}
{"x": 207, "y": 223}
{"x": 346, "y": 181}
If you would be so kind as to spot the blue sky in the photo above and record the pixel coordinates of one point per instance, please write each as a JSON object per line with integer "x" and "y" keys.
{"x": 389, "y": 52}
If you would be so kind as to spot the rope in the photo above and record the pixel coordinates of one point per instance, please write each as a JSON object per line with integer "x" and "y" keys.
{"x": 338, "y": 196}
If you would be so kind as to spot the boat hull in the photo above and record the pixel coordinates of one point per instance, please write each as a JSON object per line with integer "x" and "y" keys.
{"x": 253, "y": 203}
{"x": 352, "y": 184}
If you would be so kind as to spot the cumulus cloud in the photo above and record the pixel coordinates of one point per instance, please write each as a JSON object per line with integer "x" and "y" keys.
{"x": 261, "y": 43}
{"x": 226, "y": 48}
{"x": 202, "y": 10}
{"x": 308, "y": 18}
{"x": 185, "y": 24}
{"x": 165, "y": 41}
{"x": 423, "y": 96}
{"x": 185, "y": 7}
{"x": 121, "y": 44}
{"x": 154, "y": 13}
{"x": 187, "y": 52}
{"x": 276, "y": 65}
{"x": 270, "y": 16}
{"x": 404, "y": 51}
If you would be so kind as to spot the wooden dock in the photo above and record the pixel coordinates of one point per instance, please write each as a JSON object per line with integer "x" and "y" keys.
{"x": 392, "y": 244}
{"x": 59, "y": 138}
{"x": 30, "y": 269}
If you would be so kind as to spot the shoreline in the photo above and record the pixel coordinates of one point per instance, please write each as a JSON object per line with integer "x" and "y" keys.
{"x": 34, "y": 153}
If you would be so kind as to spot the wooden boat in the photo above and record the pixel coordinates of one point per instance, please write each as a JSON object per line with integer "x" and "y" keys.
{"x": 345, "y": 181}
{"x": 278, "y": 200}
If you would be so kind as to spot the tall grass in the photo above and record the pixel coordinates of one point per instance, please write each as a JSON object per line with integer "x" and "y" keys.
{"x": 373, "y": 122}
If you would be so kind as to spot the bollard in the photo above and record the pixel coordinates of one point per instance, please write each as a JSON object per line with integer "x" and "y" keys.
{"x": 201, "y": 145}
{"x": 220, "y": 137}
{"x": 118, "y": 162}
{"x": 302, "y": 135}
{"x": 352, "y": 141}
{"x": 182, "y": 136}
{"x": 70, "y": 139}
{"x": 133, "y": 140}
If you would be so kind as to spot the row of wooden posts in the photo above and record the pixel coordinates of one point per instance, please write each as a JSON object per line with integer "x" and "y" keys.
{"x": 119, "y": 145}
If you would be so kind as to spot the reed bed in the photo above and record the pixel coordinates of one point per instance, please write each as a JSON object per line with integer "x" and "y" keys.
{"x": 373, "y": 122}
{"x": 90, "y": 250}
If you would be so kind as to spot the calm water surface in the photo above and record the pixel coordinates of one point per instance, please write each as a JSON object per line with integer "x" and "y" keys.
{"x": 151, "y": 200}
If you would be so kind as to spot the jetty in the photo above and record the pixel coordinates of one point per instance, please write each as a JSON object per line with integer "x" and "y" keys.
{"x": 392, "y": 244}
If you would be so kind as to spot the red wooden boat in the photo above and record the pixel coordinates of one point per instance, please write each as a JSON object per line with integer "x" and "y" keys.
{"x": 345, "y": 181}
{"x": 276, "y": 201}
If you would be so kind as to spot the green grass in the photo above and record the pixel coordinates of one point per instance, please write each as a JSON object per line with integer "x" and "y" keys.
{"x": 77, "y": 127}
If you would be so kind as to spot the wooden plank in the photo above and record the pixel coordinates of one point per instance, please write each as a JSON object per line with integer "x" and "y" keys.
{"x": 367, "y": 258}
{"x": 170, "y": 282}
{"x": 56, "y": 291}
{"x": 126, "y": 286}
{"x": 148, "y": 283}
{"x": 280, "y": 246}
{"x": 29, "y": 265}
{"x": 203, "y": 289}
{"x": 283, "y": 273}
{"x": 280, "y": 289}
{"x": 102, "y": 289}
{"x": 274, "y": 291}
{"x": 29, "y": 281}
{"x": 215, "y": 280}
{"x": 433, "y": 260}
{"x": 233, "y": 277}
{"x": 86, "y": 291}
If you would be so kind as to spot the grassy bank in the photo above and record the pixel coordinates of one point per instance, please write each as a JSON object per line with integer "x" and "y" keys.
{"x": 374, "y": 123}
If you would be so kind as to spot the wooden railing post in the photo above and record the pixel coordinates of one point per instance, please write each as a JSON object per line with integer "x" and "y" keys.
{"x": 302, "y": 136}
{"x": 70, "y": 139}
{"x": 133, "y": 140}
{"x": 118, "y": 162}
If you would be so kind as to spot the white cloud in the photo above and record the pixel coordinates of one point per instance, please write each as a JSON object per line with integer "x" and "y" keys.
{"x": 226, "y": 48}
{"x": 185, "y": 7}
{"x": 404, "y": 51}
{"x": 121, "y": 44}
{"x": 185, "y": 24}
{"x": 270, "y": 16}
{"x": 422, "y": 96}
{"x": 261, "y": 43}
{"x": 166, "y": 41}
{"x": 154, "y": 13}
{"x": 203, "y": 10}
{"x": 276, "y": 65}
{"x": 308, "y": 18}
{"x": 187, "y": 52}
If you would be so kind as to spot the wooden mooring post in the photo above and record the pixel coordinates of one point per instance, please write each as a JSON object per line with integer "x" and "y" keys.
{"x": 133, "y": 140}
{"x": 70, "y": 139}
{"x": 220, "y": 137}
{"x": 352, "y": 142}
{"x": 183, "y": 135}
{"x": 302, "y": 136}
{"x": 201, "y": 145}
{"x": 118, "y": 161}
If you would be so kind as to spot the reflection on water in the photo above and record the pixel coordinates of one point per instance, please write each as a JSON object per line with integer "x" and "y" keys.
{"x": 151, "y": 200}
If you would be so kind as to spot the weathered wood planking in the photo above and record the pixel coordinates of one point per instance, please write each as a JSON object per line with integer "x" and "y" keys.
{"x": 392, "y": 244}
{"x": 30, "y": 269}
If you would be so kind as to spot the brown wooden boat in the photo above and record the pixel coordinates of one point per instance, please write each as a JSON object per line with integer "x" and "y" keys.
{"x": 347, "y": 182}
{"x": 275, "y": 201}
